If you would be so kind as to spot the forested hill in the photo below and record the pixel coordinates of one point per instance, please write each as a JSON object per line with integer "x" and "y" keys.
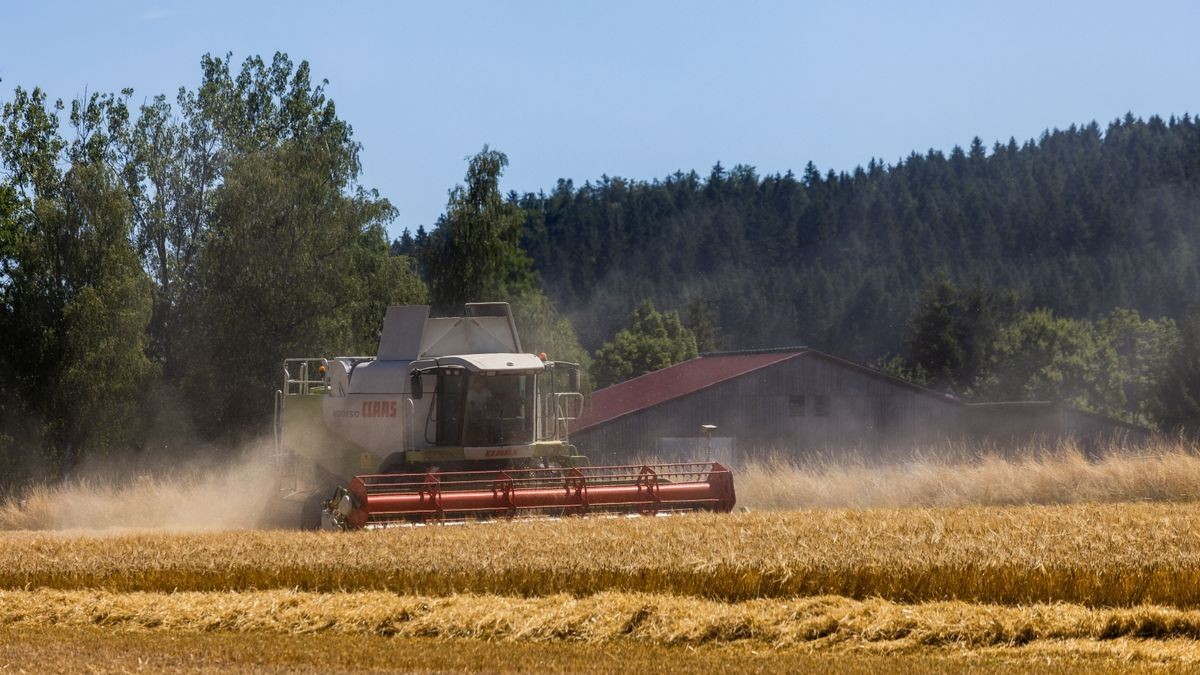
{"x": 1081, "y": 221}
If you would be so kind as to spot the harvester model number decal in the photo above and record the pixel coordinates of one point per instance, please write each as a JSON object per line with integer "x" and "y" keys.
{"x": 379, "y": 409}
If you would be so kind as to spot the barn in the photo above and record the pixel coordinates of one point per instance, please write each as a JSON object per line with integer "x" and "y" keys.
{"x": 804, "y": 401}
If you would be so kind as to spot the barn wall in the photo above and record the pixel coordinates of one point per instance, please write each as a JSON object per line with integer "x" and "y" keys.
{"x": 762, "y": 412}
{"x": 1097, "y": 430}
{"x": 1013, "y": 423}
{"x": 1039, "y": 422}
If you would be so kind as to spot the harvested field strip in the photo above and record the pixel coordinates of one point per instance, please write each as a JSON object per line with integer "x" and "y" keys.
{"x": 824, "y": 622}
{"x": 72, "y": 649}
{"x": 1093, "y": 555}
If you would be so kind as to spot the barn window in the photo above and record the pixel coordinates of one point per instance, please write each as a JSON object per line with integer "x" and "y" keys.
{"x": 821, "y": 406}
{"x": 796, "y": 406}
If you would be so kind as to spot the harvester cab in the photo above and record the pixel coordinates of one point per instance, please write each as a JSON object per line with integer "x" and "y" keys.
{"x": 451, "y": 419}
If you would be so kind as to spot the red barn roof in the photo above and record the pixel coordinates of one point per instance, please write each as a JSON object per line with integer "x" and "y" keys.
{"x": 674, "y": 381}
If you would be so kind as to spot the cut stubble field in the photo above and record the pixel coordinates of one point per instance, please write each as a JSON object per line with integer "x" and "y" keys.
{"x": 92, "y": 649}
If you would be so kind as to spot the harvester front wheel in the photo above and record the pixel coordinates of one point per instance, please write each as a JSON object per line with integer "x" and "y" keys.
{"x": 310, "y": 512}
{"x": 394, "y": 463}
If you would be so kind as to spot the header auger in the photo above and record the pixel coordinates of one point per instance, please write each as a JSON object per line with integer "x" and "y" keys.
{"x": 451, "y": 421}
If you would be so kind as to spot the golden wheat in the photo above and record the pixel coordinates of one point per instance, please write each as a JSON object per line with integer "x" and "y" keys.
{"x": 1095, "y": 555}
{"x": 973, "y": 476}
{"x": 97, "y": 650}
{"x": 821, "y": 622}
{"x": 1084, "y": 582}
{"x": 233, "y": 496}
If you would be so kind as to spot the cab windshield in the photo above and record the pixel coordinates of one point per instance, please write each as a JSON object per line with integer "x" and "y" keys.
{"x": 498, "y": 410}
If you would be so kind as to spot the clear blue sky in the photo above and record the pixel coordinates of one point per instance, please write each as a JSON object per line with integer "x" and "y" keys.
{"x": 640, "y": 89}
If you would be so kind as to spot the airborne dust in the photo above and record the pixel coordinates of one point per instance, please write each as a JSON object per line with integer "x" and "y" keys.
{"x": 204, "y": 495}
{"x": 238, "y": 494}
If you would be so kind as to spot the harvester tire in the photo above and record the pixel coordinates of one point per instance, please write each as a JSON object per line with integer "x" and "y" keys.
{"x": 394, "y": 463}
{"x": 310, "y": 512}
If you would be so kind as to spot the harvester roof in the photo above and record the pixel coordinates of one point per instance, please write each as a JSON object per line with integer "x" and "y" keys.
{"x": 409, "y": 333}
{"x": 494, "y": 363}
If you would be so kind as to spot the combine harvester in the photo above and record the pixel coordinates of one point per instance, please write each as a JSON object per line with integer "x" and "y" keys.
{"x": 451, "y": 421}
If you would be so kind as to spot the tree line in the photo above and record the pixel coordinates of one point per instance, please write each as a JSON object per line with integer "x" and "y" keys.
{"x": 158, "y": 261}
{"x": 1077, "y": 250}
{"x": 977, "y": 342}
{"x": 1080, "y": 221}
{"x": 1062, "y": 268}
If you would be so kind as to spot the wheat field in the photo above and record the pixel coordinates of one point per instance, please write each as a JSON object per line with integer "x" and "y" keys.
{"x": 231, "y": 496}
{"x": 100, "y": 650}
{"x": 1041, "y": 559}
{"x": 956, "y": 475}
{"x": 824, "y": 621}
{"x": 1095, "y": 555}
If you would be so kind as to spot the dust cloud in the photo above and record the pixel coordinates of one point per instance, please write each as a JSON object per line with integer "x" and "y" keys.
{"x": 203, "y": 495}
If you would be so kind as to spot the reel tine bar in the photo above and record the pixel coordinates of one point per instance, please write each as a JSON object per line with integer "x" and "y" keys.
{"x": 647, "y": 489}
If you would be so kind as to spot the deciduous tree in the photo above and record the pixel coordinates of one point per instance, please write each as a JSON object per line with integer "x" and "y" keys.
{"x": 475, "y": 253}
{"x": 653, "y": 340}
{"x": 1176, "y": 404}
